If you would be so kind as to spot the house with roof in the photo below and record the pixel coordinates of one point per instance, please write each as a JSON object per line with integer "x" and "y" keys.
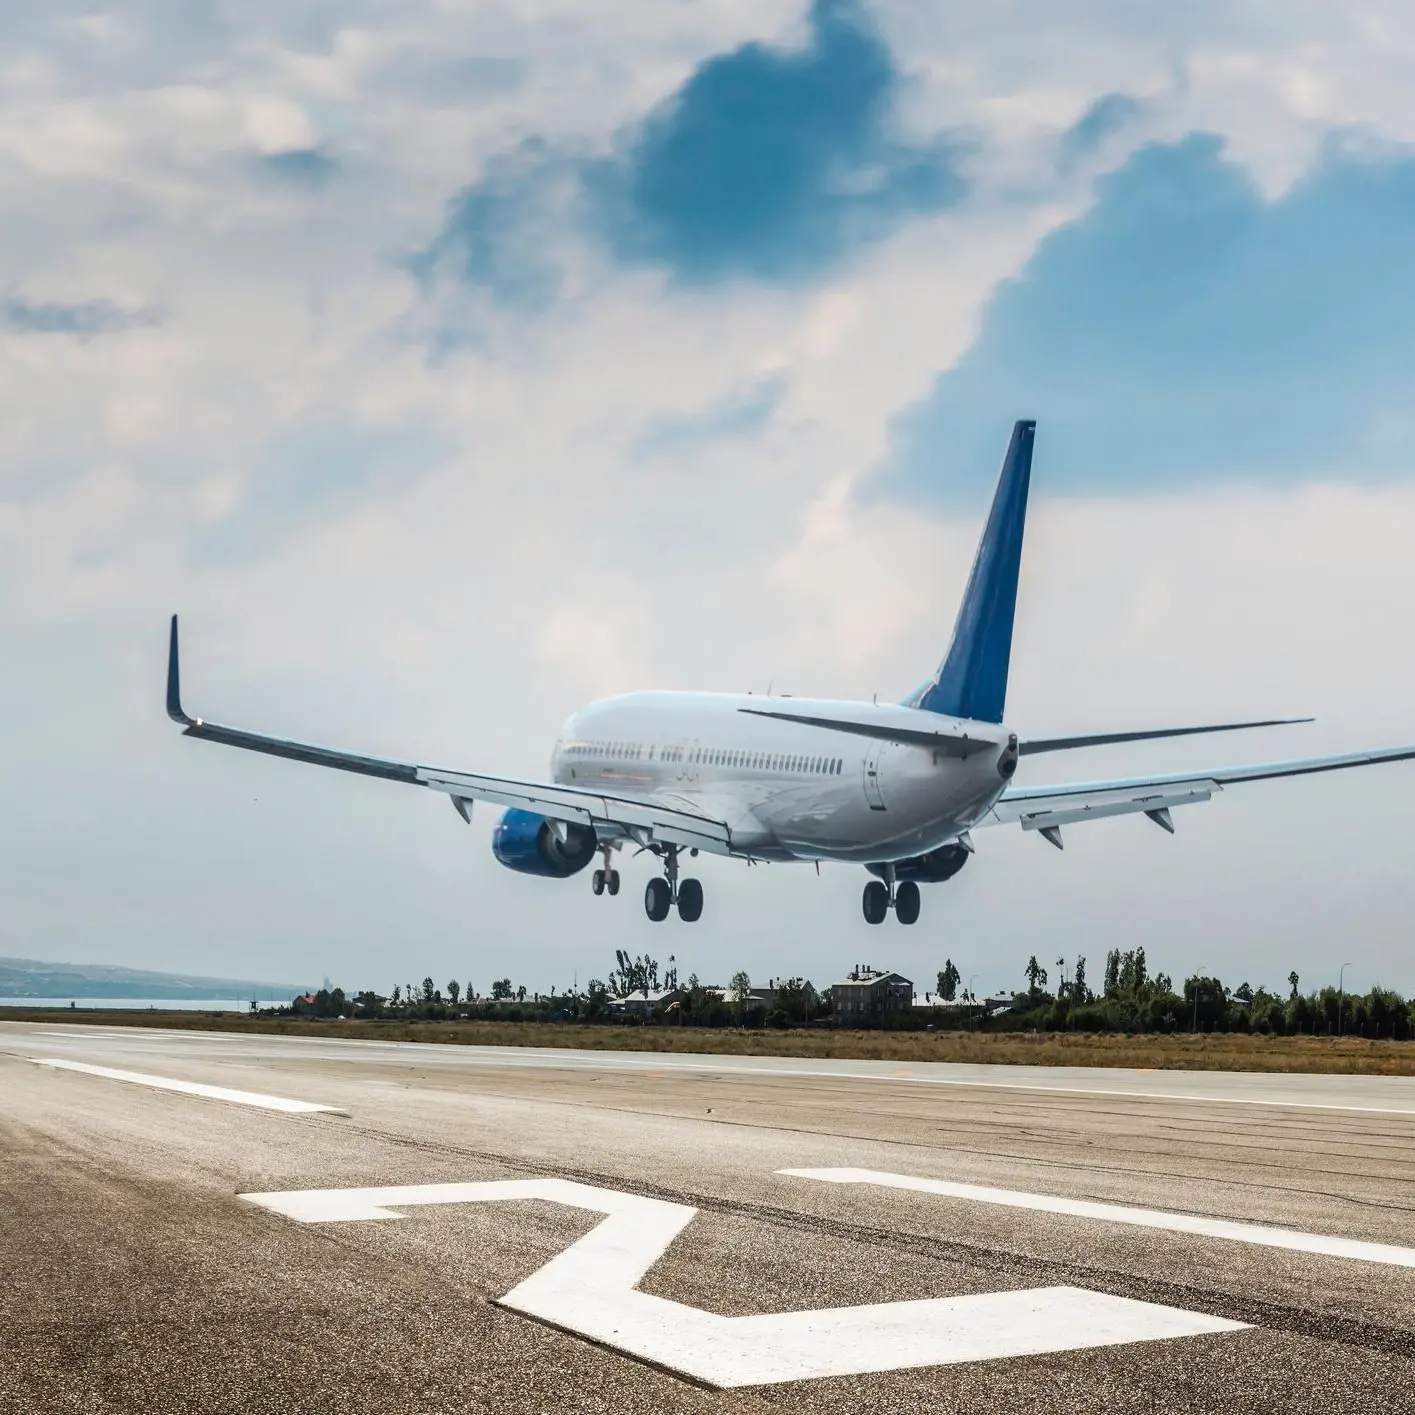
{"x": 868, "y": 997}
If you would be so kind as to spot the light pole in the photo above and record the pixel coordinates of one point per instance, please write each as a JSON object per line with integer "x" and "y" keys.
{"x": 1340, "y": 995}
{"x": 972, "y": 1016}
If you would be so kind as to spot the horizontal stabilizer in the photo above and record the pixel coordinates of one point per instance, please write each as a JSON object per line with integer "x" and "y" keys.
{"x": 950, "y": 744}
{"x": 1031, "y": 746}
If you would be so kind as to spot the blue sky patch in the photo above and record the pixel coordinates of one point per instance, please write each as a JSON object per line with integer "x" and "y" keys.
{"x": 1186, "y": 330}
{"x": 771, "y": 164}
{"x": 83, "y": 318}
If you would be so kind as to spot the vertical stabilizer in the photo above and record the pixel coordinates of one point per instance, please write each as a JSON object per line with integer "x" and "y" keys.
{"x": 972, "y": 680}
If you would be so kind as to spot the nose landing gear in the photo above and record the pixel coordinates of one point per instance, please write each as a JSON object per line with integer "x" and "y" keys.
{"x": 660, "y": 895}
{"x": 883, "y": 895}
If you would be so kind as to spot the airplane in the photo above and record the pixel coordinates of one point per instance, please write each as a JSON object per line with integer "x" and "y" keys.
{"x": 898, "y": 788}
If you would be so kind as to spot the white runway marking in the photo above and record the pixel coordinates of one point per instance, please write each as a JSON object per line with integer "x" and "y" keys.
{"x": 591, "y": 1290}
{"x": 192, "y": 1088}
{"x": 1260, "y": 1234}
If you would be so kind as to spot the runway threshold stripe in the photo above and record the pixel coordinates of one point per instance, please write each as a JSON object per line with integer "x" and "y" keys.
{"x": 1260, "y": 1234}
{"x": 192, "y": 1088}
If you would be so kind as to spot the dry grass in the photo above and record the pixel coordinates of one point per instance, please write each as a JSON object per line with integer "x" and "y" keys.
{"x": 1233, "y": 1052}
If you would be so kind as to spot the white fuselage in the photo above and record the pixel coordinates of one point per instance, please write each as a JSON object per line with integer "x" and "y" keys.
{"x": 787, "y": 790}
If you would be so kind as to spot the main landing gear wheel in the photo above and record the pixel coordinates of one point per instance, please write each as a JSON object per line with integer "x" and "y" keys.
{"x": 658, "y": 900}
{"x": 875, "y": 902}
{"x": 611, "y": 881}
{"x": 597, "y": 882}
{"x": 906, "y": 902}
{"x": 690, "y": 901}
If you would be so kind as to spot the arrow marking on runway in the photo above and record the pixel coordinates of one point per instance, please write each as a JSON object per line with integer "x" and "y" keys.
{"x": 591, "y": 1290}
{"x": 1199, "y": 1224}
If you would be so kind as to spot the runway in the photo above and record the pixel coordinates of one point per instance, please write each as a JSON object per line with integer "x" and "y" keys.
{"x": 224, "y": 1222}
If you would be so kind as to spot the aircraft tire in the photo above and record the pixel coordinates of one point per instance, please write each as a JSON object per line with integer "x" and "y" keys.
{"x": 875, "y": 902}
{"x": 611, "y": 881}
{"x": 906, "y": 902}
{"x": 658, "y": 900}
{"x": 597, "y": 882}
{"x": 690, "y": 900}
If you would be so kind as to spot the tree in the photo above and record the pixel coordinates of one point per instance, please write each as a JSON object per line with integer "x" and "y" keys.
{"x": 670, "y": 974}
{"x": 740, "y": 985}
{"x": 1112, "y": 973}
{"x": 501, "y": 990}
{"x": 1060, "y": 976}
{"x": 795, "y": 1000}
{"x": 397, "y": 995}
{"x": 471, "y": 992}
{"x": 429, "y": 988}
{"x": 633, "y": 974}
{"x": 521, "y": 993}
{"x": 454, "y": 991}
{"x": 948, "y": 981}
{"x": 1079, "y": 990}
{"x": 1292, "y": 978}
{"x": 1036, "y": 975}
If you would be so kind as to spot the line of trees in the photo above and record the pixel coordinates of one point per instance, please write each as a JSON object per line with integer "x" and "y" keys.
{"x": 1130, "y": 999}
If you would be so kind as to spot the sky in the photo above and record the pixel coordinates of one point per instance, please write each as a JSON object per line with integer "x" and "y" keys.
{"x": 448, "y": 365}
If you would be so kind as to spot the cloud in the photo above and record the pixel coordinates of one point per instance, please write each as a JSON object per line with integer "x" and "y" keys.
{"x": 774, "y": 164}
{"x": 1187, "y": 330}
{"x": 84, "y": 318}
{"x": 742, "y": 415}
{"x": 766, "y": 163}
{"x": 307, "y": 166}
{"x": 1102, "y": 120}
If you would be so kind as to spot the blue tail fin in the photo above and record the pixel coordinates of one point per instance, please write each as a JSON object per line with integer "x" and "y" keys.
{"x": 972, "y": 680}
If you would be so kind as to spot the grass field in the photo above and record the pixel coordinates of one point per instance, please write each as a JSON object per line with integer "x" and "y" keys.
{"x": 1215, "y": 1052}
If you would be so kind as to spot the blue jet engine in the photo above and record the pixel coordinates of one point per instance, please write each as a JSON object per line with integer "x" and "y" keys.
{"x": 524, "y": 841}
{"x": 933, "y": 868}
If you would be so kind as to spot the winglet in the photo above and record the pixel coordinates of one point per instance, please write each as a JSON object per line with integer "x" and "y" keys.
{"x": 174, "y": 682}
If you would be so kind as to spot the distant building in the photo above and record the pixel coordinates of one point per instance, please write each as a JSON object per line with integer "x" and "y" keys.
{"x": 753, "y": 1001}
{"x": 643, "y": 1004}
{"x": 303, "y": 1006}
{"x": 868, "y": 997}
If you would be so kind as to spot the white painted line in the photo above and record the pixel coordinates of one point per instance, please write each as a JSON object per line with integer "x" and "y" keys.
{"x": 192, "y": 1088}
{"x": 1261, "y": 1234}
{"x": 591, "y": 1290}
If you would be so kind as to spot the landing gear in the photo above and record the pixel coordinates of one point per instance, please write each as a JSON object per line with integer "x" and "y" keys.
{"x": 690, "y": 901}
{"x": 875, "y": 902}
{"x": 662, "y": 894}
{"x": 608, "y": 877}
{"x": 883, "y": 895}
{"x": 906, "y": 902}
{"x": 658, "y": 899}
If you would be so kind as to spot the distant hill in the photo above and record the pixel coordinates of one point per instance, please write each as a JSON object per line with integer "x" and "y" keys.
{"x": 30, "y": 977}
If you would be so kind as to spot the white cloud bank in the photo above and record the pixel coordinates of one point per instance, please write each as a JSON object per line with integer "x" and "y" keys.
{"x": 404, "y": 518}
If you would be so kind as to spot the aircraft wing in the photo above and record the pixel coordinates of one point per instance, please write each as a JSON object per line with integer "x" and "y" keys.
{"x": 640, "y": 818}
{"x": 1048, "y": 808}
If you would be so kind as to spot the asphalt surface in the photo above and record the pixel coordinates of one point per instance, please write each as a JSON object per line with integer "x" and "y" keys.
{"x": 136, "y": 1277}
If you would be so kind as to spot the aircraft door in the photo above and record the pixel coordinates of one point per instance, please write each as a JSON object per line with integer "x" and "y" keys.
{"x": 689, "y": 770}
{"x": 873, "y": 795}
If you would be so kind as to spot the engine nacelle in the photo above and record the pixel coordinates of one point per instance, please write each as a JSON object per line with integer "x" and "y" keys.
{"x": 524, "y": 841}
{"x": 933, "y": 868}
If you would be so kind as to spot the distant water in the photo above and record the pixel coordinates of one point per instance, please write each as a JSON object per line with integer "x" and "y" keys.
{"x": 137, "y": 1004}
